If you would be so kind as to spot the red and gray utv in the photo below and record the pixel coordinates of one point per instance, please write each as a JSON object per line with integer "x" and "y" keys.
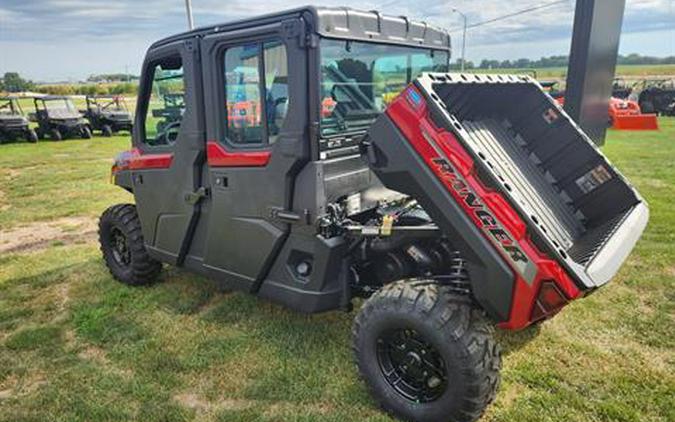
{"x": 292, "y": 172}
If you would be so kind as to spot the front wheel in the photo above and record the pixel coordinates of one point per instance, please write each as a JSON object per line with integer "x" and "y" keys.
{"x": 107, "y": 131}
{"x": 86, "y": 132}
{"x": 31, "y": 136}
{"x": 123, "y": 247}
{"x": 55, "y": 134}
{"x": 425, "y": 353}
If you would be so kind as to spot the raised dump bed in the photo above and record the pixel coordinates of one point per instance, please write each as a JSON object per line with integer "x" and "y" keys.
{"x": 578, "y": 209}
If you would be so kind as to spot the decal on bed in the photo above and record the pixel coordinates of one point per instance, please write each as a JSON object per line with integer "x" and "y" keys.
{"x": 488, "y": 222}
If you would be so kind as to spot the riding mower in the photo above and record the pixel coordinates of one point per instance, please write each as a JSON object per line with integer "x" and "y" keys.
{"x": 13, "y": 123}
{"x": 58, "y": 118}
{"x": 108, "y": 113}
{"x": 446, "y": 215}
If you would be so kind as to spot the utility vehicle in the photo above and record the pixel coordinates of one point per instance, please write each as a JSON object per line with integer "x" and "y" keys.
{"x": 447, "y": 208}
{"x": 172, "y": 112}
{"x": 108, "y": 113}
{"x": 13, "y": 123}
{"x": 658, "y": 96}
{"x": 58, "y": 118}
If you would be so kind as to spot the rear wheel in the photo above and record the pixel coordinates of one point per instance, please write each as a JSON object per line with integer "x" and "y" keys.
{"x": 426, "y": 353}
{"x": 31, "y": 136}
{"x": 85, "y": 132}
{"x": 123, "y": 246}
{"x": 55, "y": 135}
{"x": 107, "y": 131}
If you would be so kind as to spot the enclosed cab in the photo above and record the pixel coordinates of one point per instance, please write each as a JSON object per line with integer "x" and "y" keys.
{"x": 295, "y": 170}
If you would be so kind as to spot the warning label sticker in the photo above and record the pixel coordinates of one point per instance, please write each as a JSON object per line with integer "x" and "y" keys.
{"x": 593, "y": 179}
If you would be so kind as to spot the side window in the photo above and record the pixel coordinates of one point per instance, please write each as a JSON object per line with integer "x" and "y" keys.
{"x": 276, "y": 87}
{"x": 256, "y": 92}
{"x": 166, "y": 102}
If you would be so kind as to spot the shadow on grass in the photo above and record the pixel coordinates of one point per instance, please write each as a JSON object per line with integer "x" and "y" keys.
{"x": 512, "y": 341}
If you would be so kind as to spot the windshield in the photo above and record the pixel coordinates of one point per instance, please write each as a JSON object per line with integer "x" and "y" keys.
{"x": 113, "y": 104}
{"x": 9, "y": 107}
{"x": 61, "y": 106}
{"x": 359, "y": 79}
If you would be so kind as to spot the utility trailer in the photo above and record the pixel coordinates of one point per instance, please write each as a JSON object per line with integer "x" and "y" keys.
{"x": 462, "y": 204}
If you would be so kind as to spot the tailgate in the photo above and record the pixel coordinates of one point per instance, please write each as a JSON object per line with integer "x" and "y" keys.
{"x": 514, "y": 148}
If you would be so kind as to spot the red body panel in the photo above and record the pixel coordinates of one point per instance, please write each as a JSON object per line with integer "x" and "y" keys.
{"x": 626, "y": 115}
{"x": 218, "y": 156}
{"x": 134, "y": 159}
{"x": 413, "y": 120}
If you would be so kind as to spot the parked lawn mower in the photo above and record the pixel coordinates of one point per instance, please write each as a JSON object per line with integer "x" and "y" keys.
{"x": 58, "y": 118}
{"x": 108, "y": 113}
{"x": 13, "y": 123}
{"x": 449, "y": 210}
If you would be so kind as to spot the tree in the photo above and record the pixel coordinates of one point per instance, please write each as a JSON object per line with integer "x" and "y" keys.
{"x": 13, "y": 82}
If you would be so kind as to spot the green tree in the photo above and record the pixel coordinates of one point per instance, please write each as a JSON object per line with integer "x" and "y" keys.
{"x": 13, "y": 82}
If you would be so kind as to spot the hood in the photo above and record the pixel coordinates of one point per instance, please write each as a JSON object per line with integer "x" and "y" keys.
{"x": 117, "y": 115}
{"x": 9, "y": 119}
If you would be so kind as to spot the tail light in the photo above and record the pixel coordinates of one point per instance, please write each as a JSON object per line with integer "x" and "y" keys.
{"x": 549, "y": 301}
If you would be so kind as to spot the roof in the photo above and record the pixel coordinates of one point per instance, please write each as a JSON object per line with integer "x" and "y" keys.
{"x": 339, "y": 22}
{"x": 53, "y": 97}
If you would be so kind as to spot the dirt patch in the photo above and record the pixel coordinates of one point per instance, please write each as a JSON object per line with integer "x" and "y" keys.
{"x": 15, "y": 386}
{"x": 12, "y": 173}
{"x": 670, "y": 271}
{"x": 202, "y": 405}
{"x": 99, "y": 357}
{"x": 41, "y": 235}
{"x": 4, "y": 206}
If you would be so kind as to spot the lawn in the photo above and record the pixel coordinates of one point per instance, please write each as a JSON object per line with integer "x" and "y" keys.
{"x": 77, "y": 346}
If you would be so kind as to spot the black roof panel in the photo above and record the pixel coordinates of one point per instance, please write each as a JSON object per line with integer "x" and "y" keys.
{"x": 340, "y": 22}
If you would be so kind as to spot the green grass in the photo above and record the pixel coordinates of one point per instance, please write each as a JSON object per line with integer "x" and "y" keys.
{"x": 77, "y": 346}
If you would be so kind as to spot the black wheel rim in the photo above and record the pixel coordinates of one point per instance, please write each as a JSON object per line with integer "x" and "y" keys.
{"x": 120, "y": 247}
{"x": 411, "y": 365}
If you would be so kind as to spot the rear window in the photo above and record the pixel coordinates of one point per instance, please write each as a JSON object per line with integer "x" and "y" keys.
{"x": 359, "y": 79}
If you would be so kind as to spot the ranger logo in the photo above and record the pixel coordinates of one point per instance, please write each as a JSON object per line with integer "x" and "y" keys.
{"x": 488, "y": 222}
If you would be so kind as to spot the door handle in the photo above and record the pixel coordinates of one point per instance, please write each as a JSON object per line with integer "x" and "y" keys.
{"x": 193, "y": 198}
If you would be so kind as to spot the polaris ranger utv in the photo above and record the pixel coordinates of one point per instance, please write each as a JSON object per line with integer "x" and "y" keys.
{"x": 58, "y": 118}
{"x": 13, "y": 123}
{"x": 447, "y": 208}
{"x": 108, "y": 113}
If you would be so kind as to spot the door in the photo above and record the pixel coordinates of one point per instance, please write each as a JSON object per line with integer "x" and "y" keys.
{"x": 169, "y": 136}
{"x": 255, "y": 83}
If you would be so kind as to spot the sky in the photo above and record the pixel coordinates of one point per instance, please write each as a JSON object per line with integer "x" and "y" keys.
{"x": 67, "y": 40}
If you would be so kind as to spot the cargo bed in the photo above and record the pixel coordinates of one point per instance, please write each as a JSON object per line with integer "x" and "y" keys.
{"x": 578, "y": 209}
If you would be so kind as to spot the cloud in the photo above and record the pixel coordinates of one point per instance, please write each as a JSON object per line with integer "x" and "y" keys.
{"x": 107, "y": 26}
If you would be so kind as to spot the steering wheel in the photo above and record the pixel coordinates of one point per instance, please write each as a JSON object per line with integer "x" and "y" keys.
{"x": 169, "y": 133}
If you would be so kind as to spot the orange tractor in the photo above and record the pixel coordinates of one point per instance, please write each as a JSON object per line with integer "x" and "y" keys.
{"x": 624, "y": 114}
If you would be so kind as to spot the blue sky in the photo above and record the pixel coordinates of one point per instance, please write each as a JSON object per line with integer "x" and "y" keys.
{"x": 50, "y": 40}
